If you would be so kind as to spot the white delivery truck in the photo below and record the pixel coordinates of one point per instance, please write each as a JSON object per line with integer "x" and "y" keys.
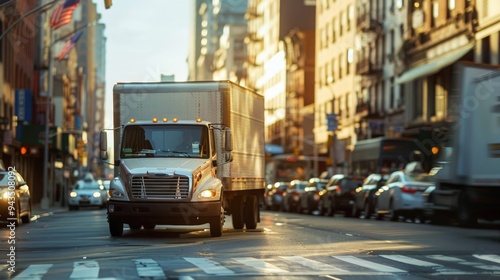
{"x": 186, "y": 153}
{"x": 468, "y": 183}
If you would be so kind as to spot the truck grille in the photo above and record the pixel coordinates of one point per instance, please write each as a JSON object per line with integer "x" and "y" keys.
{"x": 153, "y": 187}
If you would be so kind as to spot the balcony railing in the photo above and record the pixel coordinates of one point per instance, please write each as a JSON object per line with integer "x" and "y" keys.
{"x": 366, "y": 67}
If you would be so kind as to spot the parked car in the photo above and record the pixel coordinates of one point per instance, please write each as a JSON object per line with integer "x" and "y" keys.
{"x": 87, "y": 192}
{"x": 339, "y": 194}
{"x": 15, "y": 197}
{"x": 403, "y": 195}
{"x": 273, "y": 196}
{"x": 364, "y": 198}
{"x": 309, "y": 198}
{"x": 292, "y": 194}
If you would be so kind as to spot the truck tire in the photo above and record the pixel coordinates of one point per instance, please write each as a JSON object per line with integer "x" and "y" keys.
{"x": 251, "y": 212}
{"x": 115, "y": 227}
{"x": 217, "y": 225}
{"x": 237, "y": 212}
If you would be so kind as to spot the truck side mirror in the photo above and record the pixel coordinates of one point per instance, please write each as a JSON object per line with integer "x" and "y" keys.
{"x": 228, "y": 141}
{"x": 103, "y": 145}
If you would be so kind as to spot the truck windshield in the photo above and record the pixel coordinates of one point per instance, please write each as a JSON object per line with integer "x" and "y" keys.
{"x": 165, "y": 141}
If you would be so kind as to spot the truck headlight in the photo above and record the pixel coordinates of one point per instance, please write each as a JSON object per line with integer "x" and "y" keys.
{"x": 207, "y": 194}
{"x": 116, "y": 193}
{"x": 96, "y": 194}
{"x": 73, "y": 194}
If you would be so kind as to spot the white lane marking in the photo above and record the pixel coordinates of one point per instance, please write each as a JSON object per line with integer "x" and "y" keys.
{"x": 491, "y": 258}
{"x": 260, "y": 265}
{"x": 210, "y": 266}
{"x": 368, "y": 264}
{"x": 149, "y": 268}
{"x": 408, "y": 260}
{"x": 313, "y": 264}
{"x": 445, "y": 258}
{"x": 34, "y": 272}
{"x": 85, "y": 269}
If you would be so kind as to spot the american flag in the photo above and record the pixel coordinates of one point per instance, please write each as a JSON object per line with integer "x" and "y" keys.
{"x": 63, "y": 14}
{"x": 69, "y": 45}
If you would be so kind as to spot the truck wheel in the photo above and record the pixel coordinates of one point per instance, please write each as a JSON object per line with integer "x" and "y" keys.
{"x": 217, "y": 224}
{"x": 115, "y": 227}
{"x": 237, "y": 212}
{"x": 251, "y": 212}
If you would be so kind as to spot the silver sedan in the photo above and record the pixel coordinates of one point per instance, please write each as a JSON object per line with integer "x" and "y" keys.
{"x": 402, "y": 195}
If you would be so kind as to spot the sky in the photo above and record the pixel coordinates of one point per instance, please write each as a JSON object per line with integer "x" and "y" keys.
{"x": 145, "y": 39}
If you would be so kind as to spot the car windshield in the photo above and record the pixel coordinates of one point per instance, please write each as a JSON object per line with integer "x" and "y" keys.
{"x": 88, "y": 186}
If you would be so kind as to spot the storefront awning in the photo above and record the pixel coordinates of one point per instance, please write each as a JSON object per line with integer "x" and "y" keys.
{"x": 434, "y": 65}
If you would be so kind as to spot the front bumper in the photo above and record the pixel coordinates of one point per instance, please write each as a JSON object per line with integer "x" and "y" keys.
{"x": 85, "y": 202}
{"x": 166, "y": 213}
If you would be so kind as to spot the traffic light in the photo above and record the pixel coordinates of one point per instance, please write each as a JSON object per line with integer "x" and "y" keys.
{"x": 108, "y": 3}
{"x": 23, "y": 151}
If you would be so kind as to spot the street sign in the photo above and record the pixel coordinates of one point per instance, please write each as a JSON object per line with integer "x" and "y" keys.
{"x": 331, "y": 122}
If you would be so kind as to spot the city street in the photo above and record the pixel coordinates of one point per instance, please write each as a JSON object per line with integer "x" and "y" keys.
{"x": 77, "y": 244}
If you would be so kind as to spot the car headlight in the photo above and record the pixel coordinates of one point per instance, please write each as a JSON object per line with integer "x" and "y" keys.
{"x": 73, "y": 194}
{"x": 96, "y": 194}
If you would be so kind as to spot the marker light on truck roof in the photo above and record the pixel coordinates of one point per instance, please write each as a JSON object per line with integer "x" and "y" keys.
{"x": 198, "y": 119}
{"x": 165, "y": 120}
{"x": 175, "y": 119}
{"x": 132, "y": 120}
{"x": 155, "y": 120}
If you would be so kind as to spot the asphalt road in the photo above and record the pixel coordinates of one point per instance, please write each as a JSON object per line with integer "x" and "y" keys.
{"x": 77, "y": 244}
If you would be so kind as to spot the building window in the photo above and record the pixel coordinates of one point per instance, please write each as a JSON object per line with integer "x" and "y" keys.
{"x": 451, "y": 5}
{"x": 334, "y": 30}
{"x": 332, "y": 73}
{"x": 341, "y": 62}
{"x": 435, "y": 10}
{"x": 399, "y": 3}
{"x": 342, "y": 21}
{"x": 350, "y": 59}
{"x": 350, "y": 16}
{"x": 485, "y": 50}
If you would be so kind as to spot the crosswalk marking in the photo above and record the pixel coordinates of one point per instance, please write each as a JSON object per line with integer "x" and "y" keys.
{"x": 491, "y": 258}
{"x": 280, "y": 265}
{"x": 209, "y": 266}
{"x": 408, "y": 260}
{"x": 315, "y": 265}
{"x": 85, "y": 269}
{"x": 148, "y": 268}
{"x": 260, "y": 265}
{"x": 34, "y": 272}
{"x": 445, "y": 258}
{"x": 368, "y": 264}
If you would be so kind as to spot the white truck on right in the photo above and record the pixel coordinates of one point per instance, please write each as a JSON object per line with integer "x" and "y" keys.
{"x": 468, "y": 184}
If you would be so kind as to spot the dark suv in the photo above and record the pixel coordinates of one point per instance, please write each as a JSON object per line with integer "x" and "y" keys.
{"x": 339, "y": 195}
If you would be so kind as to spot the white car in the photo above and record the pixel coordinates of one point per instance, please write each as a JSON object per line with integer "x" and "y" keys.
{"x": 403, "y": 195}
{"x": 87, "y": 192}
